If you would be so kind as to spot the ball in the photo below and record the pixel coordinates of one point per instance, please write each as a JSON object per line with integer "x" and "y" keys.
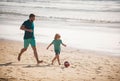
{"x": 66, "y": 64}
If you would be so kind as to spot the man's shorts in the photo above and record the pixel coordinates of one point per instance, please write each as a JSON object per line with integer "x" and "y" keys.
{"x": 57, "y": 52}
{"x": 30, "y": 41}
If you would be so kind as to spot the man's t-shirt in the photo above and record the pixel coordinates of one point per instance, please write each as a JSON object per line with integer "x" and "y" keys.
{"x": 29, "y": 25}
{"x": 56, "y": 44}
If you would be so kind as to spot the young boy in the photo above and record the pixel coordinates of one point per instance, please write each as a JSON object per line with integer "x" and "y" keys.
{"x": 56, "y": 42}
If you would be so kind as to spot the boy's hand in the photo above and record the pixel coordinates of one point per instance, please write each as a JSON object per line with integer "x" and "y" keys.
{"x": 47, "y": 48}
{"x": 65, "y": 45}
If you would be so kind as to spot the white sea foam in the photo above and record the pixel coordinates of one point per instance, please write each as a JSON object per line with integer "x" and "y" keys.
{"x": 84, "y": 10}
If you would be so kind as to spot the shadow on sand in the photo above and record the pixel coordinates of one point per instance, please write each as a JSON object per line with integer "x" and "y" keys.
{"x": 33, "y": 65}
{"x": 25, "y": 65}
{"x": 6, "y": 64}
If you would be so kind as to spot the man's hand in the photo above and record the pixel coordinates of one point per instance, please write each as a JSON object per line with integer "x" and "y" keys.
{"x": 29, "y": 30}
{"x": 25, "y": 29}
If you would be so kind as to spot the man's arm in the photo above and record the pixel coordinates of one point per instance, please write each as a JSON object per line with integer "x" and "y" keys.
{"x": 25, "y": 29}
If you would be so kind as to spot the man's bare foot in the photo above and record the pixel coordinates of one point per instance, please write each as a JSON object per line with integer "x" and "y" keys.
{"x": 39, "y": 61}
{"x": 18, "y": 58}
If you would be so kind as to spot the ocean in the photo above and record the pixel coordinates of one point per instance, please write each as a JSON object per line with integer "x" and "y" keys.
{"x": 83, "y": 24}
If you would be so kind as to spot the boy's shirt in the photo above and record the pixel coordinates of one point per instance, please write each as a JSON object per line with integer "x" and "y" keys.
{"x": 57, "y": 44}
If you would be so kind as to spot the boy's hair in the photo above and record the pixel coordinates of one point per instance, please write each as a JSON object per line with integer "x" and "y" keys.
{"x": 57, "y": 36}
{"x": 31, "y": 15}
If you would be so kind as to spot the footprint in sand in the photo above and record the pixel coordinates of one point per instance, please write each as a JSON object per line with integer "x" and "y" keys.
{"x": 9, "y": 70}
{"x": 22, "y": 79}
{"x": 3, "y": 79}
{"x": 93, "y": 78}
{"x": 107, "y": 62}
{"x": 23, "y": 73}
{"x": 12, "y": 79}
{"x": 73, "y": 66}
{"x": 110, "y": 77}
{"x": 98, "y": 70}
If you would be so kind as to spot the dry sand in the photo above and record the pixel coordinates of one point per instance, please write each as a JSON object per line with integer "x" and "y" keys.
{"x": 84, "y": 65}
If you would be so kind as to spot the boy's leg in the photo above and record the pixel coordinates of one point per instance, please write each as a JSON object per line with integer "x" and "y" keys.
{"x": 54, "y": 60}
{"x": 58, "y": 59}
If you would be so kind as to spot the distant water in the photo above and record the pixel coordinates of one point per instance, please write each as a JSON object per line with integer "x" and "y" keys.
{"x": 83, "y": 24}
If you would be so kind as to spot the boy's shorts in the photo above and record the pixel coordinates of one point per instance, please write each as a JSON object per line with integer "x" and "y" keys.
{"x": 57, "y": 52}
{"x": 29, "y": 41}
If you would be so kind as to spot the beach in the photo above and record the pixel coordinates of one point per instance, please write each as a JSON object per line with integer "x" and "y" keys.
{"x": 84, "y": 65}
{"x": 89, "y": 28}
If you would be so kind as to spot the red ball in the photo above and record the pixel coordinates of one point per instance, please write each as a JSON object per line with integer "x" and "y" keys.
{"x": 66, "y": 64}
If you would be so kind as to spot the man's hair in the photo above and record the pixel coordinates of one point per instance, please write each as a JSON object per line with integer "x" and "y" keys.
{"x": 31, "y": 15}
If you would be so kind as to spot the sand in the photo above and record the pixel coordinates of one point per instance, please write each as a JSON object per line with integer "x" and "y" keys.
{"x": 84, "y": 65}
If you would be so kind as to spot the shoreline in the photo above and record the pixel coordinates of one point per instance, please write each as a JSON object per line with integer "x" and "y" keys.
{"x": 84, "y": 65}
{"x": 69, "y": 48}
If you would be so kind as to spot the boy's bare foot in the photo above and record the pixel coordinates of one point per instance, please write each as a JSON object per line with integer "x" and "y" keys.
{"x": 51, "y": 63}
{"x": 39, "y": 61}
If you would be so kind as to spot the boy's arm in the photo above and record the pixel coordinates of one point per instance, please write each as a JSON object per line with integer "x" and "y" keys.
{"x": 49, "y": 46}
{"x": 64, "y": 44}
{"x": 25, "y": 29}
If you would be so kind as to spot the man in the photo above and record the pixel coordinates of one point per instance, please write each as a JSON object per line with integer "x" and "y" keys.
{"x": 28, "y": 27}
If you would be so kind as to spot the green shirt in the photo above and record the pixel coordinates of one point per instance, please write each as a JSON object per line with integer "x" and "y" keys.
{"x": 56, "y": 44}
{"x": 29, "y": 25}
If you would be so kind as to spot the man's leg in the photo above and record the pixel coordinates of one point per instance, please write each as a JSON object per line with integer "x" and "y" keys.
{"x": 21, "y": 52}
{"x": 36, "y": 55}
{"x": 26, "y": 44}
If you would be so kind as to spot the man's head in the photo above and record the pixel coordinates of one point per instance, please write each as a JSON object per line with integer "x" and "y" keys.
{"x": 32, "y": 17}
